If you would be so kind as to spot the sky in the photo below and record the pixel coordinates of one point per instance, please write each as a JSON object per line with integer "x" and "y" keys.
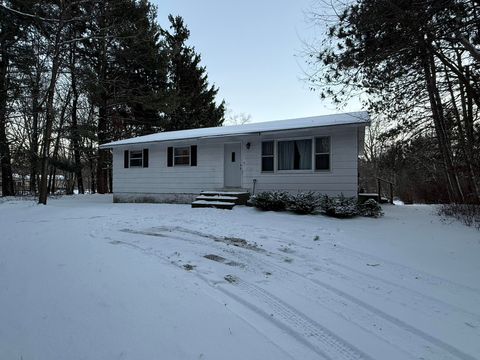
{"x": 252, "y": 52}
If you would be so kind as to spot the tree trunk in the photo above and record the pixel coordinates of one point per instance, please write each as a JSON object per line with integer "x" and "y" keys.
{"x": 93, "y": 187}
{"x": 474, "y": 191}
{"x": 49, "y": 118}
{"x": 34, "y": 136}
{"x": 102, "y": 155}
{"x": 5, "y": 156}
{"x": 51, "y": 181}
{"x": 75, "y": 135}
{"x": 455, "y": 191}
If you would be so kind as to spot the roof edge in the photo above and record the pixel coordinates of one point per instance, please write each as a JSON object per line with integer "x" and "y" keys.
{"x": 112, "y": 145}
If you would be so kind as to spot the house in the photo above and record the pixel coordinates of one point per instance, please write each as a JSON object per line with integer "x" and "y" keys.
{"x": 315, "y": 153}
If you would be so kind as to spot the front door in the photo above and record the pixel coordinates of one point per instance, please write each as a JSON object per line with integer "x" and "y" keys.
{"x": 233, "y": 170}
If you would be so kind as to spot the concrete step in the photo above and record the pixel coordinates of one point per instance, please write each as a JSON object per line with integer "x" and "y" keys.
{"x": 213, "y": 204}
{"x": 221, "y": 198}
{"x": 217, "y": 198}
{"x": 242, "y": 196}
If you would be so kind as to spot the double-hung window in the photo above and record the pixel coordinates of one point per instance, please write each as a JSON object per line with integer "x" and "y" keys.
{"x": 136, "y": 158}
{"x": 181, "y": 155}
{"x": 294, "y": 154}
{"x": 268, "y": 156}
{"x": 322, "y": 153}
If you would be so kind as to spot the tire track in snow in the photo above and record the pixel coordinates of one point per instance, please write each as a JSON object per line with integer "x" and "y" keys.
{"x": 403, "y": 328}
{"x": 395, "y": 269}
{"x": 312, "y": 334}
{"x": 397, "y": 326}
{"x": 413, "y": 294}
{"x": 297, "y": 336}
{"x": 376, "y": 313}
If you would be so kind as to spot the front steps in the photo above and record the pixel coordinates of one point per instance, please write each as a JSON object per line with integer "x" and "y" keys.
{"x": 220, "y": 199}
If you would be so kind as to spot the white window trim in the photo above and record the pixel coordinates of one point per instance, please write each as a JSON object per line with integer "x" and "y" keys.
{"x": 183, "y": 156}
{"x": 130, "y": 159}
{"x": 309, "y": 171}
{"x": 299, "y": 171}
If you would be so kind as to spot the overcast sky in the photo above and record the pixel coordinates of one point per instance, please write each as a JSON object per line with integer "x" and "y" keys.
{"x": 251, "y": 50}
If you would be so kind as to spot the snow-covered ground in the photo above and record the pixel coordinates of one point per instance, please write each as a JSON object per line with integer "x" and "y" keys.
{"x": 83, "y": 278}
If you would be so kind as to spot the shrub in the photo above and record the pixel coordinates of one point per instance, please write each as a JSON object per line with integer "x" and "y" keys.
{"x": 370, "y": 208}
{"x": 469, "y": 214}
{"x": 340, "y": 207}
{"x": 271, "y": 200}
{"x": 304, "y": 202}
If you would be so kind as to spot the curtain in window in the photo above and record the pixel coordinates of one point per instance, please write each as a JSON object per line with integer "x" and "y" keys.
{"x": 286, "y": 155}
{"x": 304, "y": 148}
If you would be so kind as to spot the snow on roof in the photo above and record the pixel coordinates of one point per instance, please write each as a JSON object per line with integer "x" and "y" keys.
{"x": 359, "y": 118}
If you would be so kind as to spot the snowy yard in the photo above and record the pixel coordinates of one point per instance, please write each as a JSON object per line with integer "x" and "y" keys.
{"x": 87, "y": 279}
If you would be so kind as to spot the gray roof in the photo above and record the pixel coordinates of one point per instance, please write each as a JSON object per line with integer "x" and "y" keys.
{"x": 352, "y": 118}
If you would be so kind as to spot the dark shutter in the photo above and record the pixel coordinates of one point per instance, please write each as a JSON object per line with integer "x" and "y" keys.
{"x": 193, "y": 155}
{"x": 125, "y": 159}
{"x": 145, "y": 158}
{"x": 170, "y": 156}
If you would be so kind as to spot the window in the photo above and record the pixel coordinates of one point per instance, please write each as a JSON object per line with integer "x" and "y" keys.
{"x": 181, "y": 155}
{"x": 322, "y": 153}
{"x": 267, "y": 155}
{"x": 295, "y": 155}
{"x": 136, "y": 158}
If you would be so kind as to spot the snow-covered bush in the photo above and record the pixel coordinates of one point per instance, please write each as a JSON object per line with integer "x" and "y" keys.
{"x": 304, "y": 202}
{"x": 271, "y": 200}
{"x": 340, "y": 206}
{"x": 469, "y": 214}
{"x": 370, "y": 208}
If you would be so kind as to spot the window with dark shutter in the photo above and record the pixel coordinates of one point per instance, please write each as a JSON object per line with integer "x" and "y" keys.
{"x": 193, "y": 155}
{"x": 145, "y": 158}
{"x": 170, "y": 156}
{"x": 125, "y": 159}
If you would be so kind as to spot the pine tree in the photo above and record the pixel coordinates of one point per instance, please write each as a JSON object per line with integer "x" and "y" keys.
{"x": 191, "y": 100}
{"x": 142, "y": 72}
{"x": 412, "y": 60}
{"x": 125, "y": 73}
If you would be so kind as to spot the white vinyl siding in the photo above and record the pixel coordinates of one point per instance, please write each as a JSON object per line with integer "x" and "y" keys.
{"x": 158, "y": 178}
{"x": 209, "y": 172}
{"x": 342, "y": 176}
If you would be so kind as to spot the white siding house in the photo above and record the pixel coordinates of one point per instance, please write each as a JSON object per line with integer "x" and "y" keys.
{"x": 318, "y": 153}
